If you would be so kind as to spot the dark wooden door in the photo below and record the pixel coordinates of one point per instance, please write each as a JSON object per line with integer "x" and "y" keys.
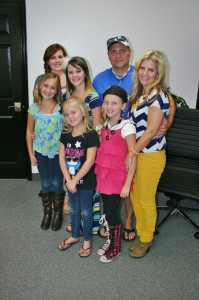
{"x": 14, "y": 161}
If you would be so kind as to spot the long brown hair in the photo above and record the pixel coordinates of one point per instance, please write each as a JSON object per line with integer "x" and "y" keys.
{"x": 49, "y": 52}
{"x": 79, "y": 62}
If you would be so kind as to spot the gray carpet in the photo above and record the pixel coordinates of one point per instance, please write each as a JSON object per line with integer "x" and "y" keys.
{"x": 33, "y": 268}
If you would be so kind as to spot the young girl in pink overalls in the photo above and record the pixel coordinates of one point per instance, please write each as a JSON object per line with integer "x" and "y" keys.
{"x": 113, "y": 181}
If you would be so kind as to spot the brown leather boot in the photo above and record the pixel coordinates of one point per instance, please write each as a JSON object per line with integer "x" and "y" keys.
{"x": 135, "y": 243}
{"x": 47, "y": 205}
{"x": 58, "y": 200}
{"x": 141, "y": 249}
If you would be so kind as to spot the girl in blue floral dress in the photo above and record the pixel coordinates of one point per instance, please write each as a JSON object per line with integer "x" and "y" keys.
{"x": 54, "y": 59}
{"x": 45, "y": 119}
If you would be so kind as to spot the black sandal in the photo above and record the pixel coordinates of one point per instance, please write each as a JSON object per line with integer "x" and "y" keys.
{"x": 128, "y": 232}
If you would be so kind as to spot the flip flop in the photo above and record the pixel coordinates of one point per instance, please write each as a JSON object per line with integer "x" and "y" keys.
{"x": 127, "y": 232}
{"x": 64, "y": 245}
{"x": 85, "y": 252}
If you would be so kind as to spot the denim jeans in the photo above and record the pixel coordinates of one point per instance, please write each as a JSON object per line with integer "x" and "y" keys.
{"x": 81, "y": 203}
{"x": 50, "y": 173}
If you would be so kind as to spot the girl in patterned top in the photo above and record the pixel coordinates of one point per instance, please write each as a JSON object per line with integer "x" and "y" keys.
{"x": 54, "y": 58}
{"x": 45, "y": 119}
{"x": 78, "y": 147}
{"x": 150, "y": 105}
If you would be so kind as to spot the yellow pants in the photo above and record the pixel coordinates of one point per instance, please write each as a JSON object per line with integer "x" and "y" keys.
{"x": 149, "y": 169}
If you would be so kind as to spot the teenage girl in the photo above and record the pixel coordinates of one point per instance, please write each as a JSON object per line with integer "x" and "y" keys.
{"x": 79, "y": 85}
{"x": 45, "y": 119}
{"x": 78, "y": 147}
{"x": 113, "y": 181}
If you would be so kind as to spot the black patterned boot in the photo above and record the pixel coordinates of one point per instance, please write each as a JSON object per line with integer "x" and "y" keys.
{"x": 106, "y": 245}
{"x": 115, "y": 244}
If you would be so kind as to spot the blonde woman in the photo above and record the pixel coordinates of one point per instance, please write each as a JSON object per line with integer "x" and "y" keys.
{"x": 150, "y": 105}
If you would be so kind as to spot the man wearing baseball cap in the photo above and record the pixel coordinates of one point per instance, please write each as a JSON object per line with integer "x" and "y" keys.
{"x": 120, "y": 74}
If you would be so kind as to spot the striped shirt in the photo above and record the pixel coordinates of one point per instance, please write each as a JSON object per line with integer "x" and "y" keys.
{"x": 140, "y": 115}
{"x": 92, "y": 101}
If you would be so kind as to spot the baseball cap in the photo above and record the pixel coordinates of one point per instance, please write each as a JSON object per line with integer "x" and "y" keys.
{"x": 117, "y": 91}
{"x": 118, "y": 39}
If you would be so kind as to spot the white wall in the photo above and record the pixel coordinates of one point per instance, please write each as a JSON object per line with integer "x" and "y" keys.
{"x": 83, "y": 27}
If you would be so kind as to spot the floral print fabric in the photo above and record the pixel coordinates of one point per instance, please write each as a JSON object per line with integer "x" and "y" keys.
{"x": 48, "y": 128}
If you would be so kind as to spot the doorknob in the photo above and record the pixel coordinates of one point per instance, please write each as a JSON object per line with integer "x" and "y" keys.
{"x": 17, "y": 106}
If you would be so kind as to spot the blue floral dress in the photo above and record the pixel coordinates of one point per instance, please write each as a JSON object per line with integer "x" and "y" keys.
{"x": 48, "y": 128}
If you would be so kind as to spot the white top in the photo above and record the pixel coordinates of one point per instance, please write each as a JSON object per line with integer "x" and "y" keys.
{"x": 126, "y": 125}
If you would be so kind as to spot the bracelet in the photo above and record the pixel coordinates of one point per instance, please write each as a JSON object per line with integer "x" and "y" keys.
{"x": 133, "y": 150}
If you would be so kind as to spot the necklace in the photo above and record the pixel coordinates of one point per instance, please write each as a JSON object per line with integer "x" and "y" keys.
{"x": 111, "y": 130}
{"x": 120, "y": 77}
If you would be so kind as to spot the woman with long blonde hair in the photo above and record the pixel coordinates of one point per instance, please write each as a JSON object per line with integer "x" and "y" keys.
{"x": 150, "y": 105}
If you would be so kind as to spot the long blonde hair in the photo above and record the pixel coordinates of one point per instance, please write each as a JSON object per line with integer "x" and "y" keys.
{"x": 37, "y": 90}
{"x": 159, "y": 83}
{"x": 84, "y": 110}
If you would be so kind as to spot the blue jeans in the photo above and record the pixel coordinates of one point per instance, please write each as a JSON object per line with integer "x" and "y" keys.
{"x": 50, "y": 173}
{"x": 81, "y": 203}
